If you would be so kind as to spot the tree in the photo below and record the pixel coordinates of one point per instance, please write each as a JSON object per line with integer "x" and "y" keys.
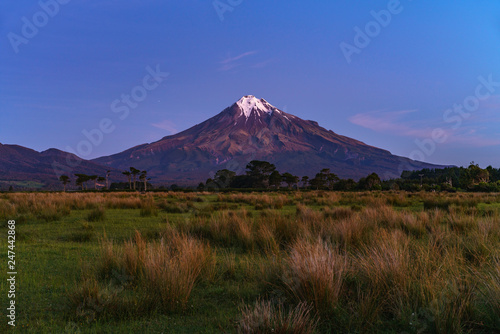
{"x": 102, "y": 179}
{"x": 135, "y": 172}
{"x": 81, "y": 180}
{"x": 129, "y": 176}
{"x": 260, "y": 171}
{"x": 344, "y": 185}
{"x": 305, "y": 181}
{"x": 473, "y": 175}
{"x": 275, "y": 179}
{"x": 94, "y": 178}
{"x": 144, "y": 178}
{"x": 371, "y": 182}
{"x": 290, "y": 179}
{"x": 108, "y": 173}
{"x": 317, "y": 182}
{"x": 494, "y": 174}
{"x": 324, "y": 179}
{"x": 65, "y": 180}
{"x": 478, "y": 174}
{"x": 241, "y": 181}
{"x": 223, "y": 178}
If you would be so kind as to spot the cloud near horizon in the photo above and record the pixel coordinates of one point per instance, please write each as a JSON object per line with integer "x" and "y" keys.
{"x": 471, "y": 133}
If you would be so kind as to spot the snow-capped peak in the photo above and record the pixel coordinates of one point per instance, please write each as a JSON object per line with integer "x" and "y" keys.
{"x": 250, "y": 102}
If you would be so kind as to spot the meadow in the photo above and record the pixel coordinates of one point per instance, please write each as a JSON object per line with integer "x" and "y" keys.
{"x": 282, "y": 262}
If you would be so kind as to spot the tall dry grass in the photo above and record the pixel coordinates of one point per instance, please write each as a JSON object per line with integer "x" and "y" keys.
{"x": 160, "y": 275}
{"x": 264, "y": 317}
{"x": 316, "y": 274}
{"x": 420, "y": 262}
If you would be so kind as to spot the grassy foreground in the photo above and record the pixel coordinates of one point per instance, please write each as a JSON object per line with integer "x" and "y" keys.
{"x": 298, "y": 262}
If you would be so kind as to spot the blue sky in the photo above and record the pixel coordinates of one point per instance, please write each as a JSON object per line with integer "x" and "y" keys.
{"x": 401, "y": 91}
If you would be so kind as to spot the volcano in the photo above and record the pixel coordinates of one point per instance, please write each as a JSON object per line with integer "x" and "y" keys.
{"x": 253, "y": 129}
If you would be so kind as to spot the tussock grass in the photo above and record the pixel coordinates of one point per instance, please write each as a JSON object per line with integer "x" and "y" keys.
{"x": 148, "y": 207}
{"x": 359, "y": 262}
{"x": 161, "y": 274}
{"x": 264, "y": 317}
{"x": 259, "y": 201}
{"x": 97, "y": 214}
{"x": 316, "y": 274}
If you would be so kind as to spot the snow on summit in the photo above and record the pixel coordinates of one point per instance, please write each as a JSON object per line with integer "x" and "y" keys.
{"x": 250, "y": 102}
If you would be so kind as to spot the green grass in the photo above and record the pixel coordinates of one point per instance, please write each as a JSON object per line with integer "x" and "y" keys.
{"x": 272, "y": 248}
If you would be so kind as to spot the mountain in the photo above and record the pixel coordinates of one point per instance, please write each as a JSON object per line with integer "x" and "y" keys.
{"x": 29, "y": 169}
{"x": 253, "y": 129}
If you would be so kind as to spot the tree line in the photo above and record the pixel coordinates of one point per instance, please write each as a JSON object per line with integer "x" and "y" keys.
{"x": 133, "y": 175}
{"x": 264, "y": 175}
{"x": 472, "y": 178}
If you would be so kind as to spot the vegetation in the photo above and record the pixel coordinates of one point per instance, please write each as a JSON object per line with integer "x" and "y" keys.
{"x": 263, "y": 175}
{"x": 284, "y": 262}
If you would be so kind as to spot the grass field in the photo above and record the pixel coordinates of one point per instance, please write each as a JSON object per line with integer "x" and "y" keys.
{"x": 297, "y": 262}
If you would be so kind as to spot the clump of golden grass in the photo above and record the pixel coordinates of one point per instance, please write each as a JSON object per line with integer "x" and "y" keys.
{"x": 264, "y": 317}
{"x": 148, "y": 207}
{"x": 165, "y": 271}
{"x": 96, "y": 214}
{"x": 123, "y": 201}
{"x": 7, "y": 209}
{"x": 307, "y": 214}
{"x": 489, "y": 293}
{"x": 223, "y": 228}
{"x": 316, "y": 274}
{"x": 170, "y": 273}
{"x": 352, "y": 233}
{"x": 91, "y": 301}
{"x": 337, "y": 213}
{"x": 258, "y": 200}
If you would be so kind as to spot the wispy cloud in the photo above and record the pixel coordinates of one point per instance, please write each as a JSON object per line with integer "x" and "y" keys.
{"x": 233, "y": 59}
{"x": 473, "y": 133}
{"x": 492, "y": 103}
{"x": 263, "y": 64}
{"x": 166, "y": 125}
{"x": 390, "y": 122}
{"x": 232, "y": 62}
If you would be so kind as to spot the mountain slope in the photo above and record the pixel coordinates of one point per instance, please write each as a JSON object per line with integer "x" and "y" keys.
{"x": 254, "y": 129}
{"x": 19, "y": 163}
